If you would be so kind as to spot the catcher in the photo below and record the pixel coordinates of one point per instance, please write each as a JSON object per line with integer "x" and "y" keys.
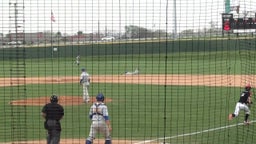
{"x": 243, "y": 104}
{"x": 100, "y": 120}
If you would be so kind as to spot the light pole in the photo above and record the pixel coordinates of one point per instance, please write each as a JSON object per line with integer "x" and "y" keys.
{"x": 174, "y": 20}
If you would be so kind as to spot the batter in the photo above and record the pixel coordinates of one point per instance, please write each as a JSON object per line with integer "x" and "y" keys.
{"x": 243, "y": 104}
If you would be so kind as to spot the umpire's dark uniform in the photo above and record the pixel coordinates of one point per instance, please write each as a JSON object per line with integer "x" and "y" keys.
{"x": 53, "y": 112}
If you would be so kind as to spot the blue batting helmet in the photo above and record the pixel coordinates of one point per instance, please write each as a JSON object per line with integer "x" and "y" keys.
{"x": 54, "y": 99}
{"x": 100, "y": 97}
{"x": 83, "y": 69}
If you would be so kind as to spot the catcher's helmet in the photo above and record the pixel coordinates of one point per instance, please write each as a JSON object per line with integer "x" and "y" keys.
{"x": 54, "y": 99}
{"x": 100, "y": 97}
{"x": 248, "y": 87}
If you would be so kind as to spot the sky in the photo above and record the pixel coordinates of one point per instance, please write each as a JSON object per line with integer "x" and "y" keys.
{"x": 91, "y": 16}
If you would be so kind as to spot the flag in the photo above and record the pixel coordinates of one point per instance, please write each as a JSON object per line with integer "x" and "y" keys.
{"x": 52, "y": 17}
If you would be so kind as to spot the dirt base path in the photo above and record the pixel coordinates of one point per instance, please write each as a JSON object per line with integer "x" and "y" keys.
{"x": 206, "y": 80}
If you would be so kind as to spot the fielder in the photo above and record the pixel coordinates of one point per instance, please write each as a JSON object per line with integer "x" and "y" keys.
{"x": 85, "y": 82}
{"x": 135, "y": 72}
{"x": 243, "y": 104}
{"x": 77, "y": 61}
{"x": 100, "y": 120}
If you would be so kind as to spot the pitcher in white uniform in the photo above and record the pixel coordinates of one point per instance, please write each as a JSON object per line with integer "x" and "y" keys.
{"x": 100, "y": 120}
{"x": 85, "y": 83}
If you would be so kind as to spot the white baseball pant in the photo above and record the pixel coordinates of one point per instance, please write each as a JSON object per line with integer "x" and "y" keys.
{"x": 241, "y": 106}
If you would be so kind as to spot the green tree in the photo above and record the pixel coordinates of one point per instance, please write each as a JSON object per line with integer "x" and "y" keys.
{"x": 58, "y": 34}
{"x": 132, "y": 31}
{"x": 79, "y": 32}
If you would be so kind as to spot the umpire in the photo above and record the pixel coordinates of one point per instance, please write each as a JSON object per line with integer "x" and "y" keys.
{"x": 53, "y": 113}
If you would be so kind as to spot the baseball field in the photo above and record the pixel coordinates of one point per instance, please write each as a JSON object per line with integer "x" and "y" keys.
{"x": 182, "y": 95}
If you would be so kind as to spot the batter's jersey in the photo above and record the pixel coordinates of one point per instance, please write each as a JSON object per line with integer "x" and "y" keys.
{"x": 98, "y": 112}
{"x": 244, "y": 97}
{"x": 85, "y": 78}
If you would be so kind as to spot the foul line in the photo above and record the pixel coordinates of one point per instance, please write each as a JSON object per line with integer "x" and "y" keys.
{"x": 194, "y": 133}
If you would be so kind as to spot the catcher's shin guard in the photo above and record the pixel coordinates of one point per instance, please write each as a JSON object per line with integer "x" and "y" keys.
{"x": 108, "y": 142}
{"x": 88, "y": 142}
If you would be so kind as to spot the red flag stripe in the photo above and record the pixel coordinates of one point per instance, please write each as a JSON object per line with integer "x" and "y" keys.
{"x": 52, "y": 17}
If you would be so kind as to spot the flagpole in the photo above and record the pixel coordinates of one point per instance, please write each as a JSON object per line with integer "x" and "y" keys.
{"x": 51, "y": 32}
{"x": 51, "y": 39}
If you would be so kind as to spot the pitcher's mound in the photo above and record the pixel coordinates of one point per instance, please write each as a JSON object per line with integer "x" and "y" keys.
{"x": 63, "y": 100}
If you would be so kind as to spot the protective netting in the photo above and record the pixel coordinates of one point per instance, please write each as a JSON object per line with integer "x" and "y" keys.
{"x": 170, "y": 71}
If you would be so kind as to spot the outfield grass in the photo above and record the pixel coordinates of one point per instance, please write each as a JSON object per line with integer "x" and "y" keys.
{"x": 178, "y": 63}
